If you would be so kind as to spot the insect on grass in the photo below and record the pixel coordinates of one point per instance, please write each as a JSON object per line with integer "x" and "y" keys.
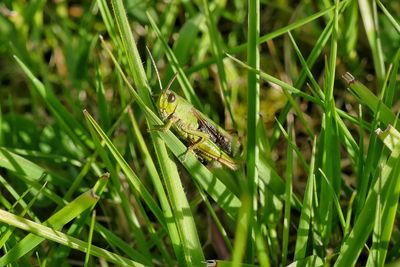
{"x": 202, "y": 136}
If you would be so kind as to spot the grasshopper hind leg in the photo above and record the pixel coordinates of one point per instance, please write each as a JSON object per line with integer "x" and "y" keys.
{"x": 192, "y": 147}
{"x": 194, "y": 144}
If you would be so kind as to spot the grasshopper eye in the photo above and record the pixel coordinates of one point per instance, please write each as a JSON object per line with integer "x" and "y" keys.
{"x": 171, "y": 98}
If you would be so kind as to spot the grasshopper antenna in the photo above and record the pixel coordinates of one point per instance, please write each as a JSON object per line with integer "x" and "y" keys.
{"x": 171, "y": 81}
{"x": 155, "y": 67}
{"x": 158, "y": 75}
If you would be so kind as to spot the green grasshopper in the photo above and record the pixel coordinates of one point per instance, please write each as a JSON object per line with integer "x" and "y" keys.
{"x": 203, "y": 136}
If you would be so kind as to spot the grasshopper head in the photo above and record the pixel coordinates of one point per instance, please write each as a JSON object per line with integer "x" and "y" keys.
{"x": 166, "y": 103}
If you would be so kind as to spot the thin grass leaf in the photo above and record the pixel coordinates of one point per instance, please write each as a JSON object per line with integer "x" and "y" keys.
{"x": 262, "y": 250}
{"x": 330, "y": 154}
{"x": 241, "y": 235}
{"x": 288, "y": 197}
{"x": 336, "y": 201}
{"x": 370, "y": 19}
{"x": 349, "y": 215}
{"x": 56, "y": 221}
{"x": 10, "y": 230}
{"x": 391, "y": 138}
{"x": 29, "y": 172}
{"x": 185, "y": 222}
{"x": 182, "y": 46}
{"x": 306, "y": 216}
{"x": 217, "y": 50}
{"x": 89, "y": 247}
{"x": 101, "y": 99}
{"x": 183, "y": 80}
{"x": 253, "y": 109}
{"x": 276, "y": 81}
{"x": 295, "y": 148}
{"x": 158, "y": 185}
{"x": 168, "y": 19}
{"x": 290, "y": 27}
{"x": 369, "y": 99}
{"x": 217, "y": 221}
{"x": 108, "y": 21}
{"x": 390, "y": 93}
{"x": 350, "y": 21}
{"x": 387, "y": 186}
{"x": 134, "y": 181}
{"x": 41, "y": 232}
{"x": 130, "y": 49}
{"x": 65, "y": 119}
{"x": 392, "y": 20}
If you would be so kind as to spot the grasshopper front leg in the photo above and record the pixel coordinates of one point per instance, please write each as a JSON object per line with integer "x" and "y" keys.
{"x": 168, "y": 124}
{"x": 190, "y": 133}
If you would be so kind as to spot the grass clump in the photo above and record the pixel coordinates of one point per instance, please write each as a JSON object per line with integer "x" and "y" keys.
{"x": 310, "y": 89}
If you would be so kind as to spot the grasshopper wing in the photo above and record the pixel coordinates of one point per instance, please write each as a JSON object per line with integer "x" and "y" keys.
{"x": 216, "y": 134}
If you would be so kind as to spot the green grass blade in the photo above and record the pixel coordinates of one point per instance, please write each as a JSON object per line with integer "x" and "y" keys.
{"x": 172, "y": 229}
{"x": 331, "y": 159}
{"x": 134, "y": 181}
{"x": 10, "y": 230}
{"x": 306, "y": 216}
{"x": 392, "y": 20}
{"x": 101, "y": 99}
{"x": 276, "y": 81}
{"x": 90, "y": 238}
{"x": 390, "y": 93}
{"x": 131, "y": 51}
{"x": 387, "y": 186}
{"x": 367, "y": 98}
{"x": 350, "y": 27}
{"x": 182, "y": 45}
{"x": 370, "y": 19}
{"x": 185, "y": 222}
{"x": 253, "y": 109}
{"x": 168, "y": 19}
{"x": 289, "y": 27}
{"x": 70, "y": 124}
{"x": 29, "y": 172}
{"x": 288, "y": 198}
{"x": 217, "y": 50}
{"x": 242, "y": 228}
{"x": 41, "y": 232}
{"x": 56, "y": 221}
{"x": 389, "y": 203}
{"x": 183, "y": 80}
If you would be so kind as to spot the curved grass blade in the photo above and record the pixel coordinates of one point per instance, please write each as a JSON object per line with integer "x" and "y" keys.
{"x": 42, "y": 232}
{"x": 56, "y": 221}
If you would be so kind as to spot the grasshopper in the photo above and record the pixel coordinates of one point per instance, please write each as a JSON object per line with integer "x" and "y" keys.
{"x": 203, "y": 136}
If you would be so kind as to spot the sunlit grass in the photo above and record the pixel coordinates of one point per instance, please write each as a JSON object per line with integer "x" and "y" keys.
{"x": 309, "y": 88}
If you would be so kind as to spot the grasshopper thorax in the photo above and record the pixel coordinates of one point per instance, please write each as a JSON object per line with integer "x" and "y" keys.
{"x": 167, "y": 103}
